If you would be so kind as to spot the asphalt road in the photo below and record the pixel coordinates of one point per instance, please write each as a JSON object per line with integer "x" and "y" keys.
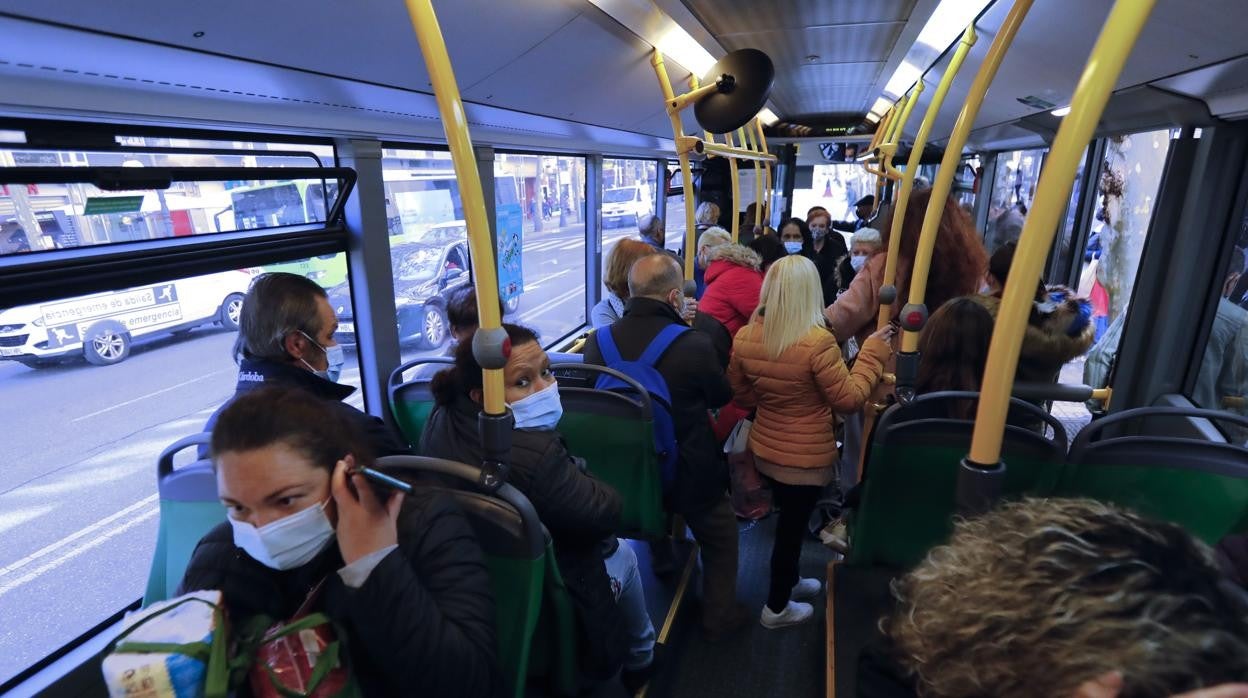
{"x": 78, "y": 505}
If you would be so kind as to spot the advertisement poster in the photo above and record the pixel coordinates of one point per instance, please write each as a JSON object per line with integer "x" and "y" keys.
{"x": 510, "y": 250}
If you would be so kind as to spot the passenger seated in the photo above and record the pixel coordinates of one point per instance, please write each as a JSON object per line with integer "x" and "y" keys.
{"x": 403, "y": 576}
{"x": 581, "y": 512}
{"x": 286, "y": 337}
{"x": 615, "y": 278}
{"x": 953, "y": 349}
{"x": 461, "y": 316}
{"x": 1041, "y": 597}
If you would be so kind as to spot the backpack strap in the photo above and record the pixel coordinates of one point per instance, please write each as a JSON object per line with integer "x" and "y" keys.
{"x": 606, "y": 346}
{"x": 661, "y": 342}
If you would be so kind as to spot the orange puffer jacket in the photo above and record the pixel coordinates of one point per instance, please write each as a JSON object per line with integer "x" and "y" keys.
{"x": 797, "y": 395}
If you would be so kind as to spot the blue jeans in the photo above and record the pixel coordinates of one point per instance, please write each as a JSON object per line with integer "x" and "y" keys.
{"x": 626, "y": 585}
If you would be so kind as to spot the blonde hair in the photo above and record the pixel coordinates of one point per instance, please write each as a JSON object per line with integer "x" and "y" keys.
{"x": 791, "y": 298}
{"x": 713, "y": 237}
{"x": 707, "y": 213}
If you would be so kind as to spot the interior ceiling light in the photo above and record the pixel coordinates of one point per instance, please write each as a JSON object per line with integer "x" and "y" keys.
{"x": 881, "y": 106}
{"x": 946, "y": 24}
{"x": 768, "y": 117}
{"x": 873, "y": 117}
{"x": 1061, "y": 111}
{"x": 653, "y": 25}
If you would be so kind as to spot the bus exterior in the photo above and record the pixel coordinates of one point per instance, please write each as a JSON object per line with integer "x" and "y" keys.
{"x": 290, "y": 203}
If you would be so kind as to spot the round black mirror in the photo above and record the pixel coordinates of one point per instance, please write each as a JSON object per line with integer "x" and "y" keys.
{"x": 744, "y": 78}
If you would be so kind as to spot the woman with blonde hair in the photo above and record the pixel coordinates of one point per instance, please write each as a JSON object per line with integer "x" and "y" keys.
{"x": 708, "y": 241}
{"x": 615, "y": 278}
{"x": 787, "y": 364}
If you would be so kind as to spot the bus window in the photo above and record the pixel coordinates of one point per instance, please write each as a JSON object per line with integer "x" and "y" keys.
{"x": 1222, "y": 379}
{"x": 268, "y": 206}
{"x": 627, "y": 193}
{"x": 1013, "y": 187}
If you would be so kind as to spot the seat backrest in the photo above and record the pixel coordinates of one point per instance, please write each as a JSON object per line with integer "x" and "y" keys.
{"x": 555, "y": 640}
{"x": 411, "y": 401}
{"x": 514, "y": 544}
{"x": 909, "y": 494}
{"x": 1126, "y": 459}
{"x": 613, "y": 432}
{"x": 189, "y": 509}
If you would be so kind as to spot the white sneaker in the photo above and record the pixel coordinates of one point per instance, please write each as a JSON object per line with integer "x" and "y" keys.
{"x": 806, "y": 588}
{"x": 795, "y": 613}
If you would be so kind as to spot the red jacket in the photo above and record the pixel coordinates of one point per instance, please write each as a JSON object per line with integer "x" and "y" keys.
{"x": 732, "y": 288}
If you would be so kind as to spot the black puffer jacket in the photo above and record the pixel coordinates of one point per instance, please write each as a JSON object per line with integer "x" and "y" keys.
{"x": 422, "y": 623}
{"x": 254, "y": 374}
{"x": 697, "y": 383}
{"x": 581, "y": 512}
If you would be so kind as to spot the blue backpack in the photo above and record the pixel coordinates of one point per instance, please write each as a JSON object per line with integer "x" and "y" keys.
{"x": 644, "y": 372}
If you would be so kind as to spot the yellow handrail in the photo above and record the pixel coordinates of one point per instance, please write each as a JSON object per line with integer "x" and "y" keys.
{"x": 736, "y": 192}
{"x": 758, "y": 182}
{"x": 1121, "y": 31}
{"x": 455, "y": 123}
{"x": 889, "y": 148}
{"x": 949, "y": 163}
{"x": 686, "y": 175}
{"x": 762, "y": 147}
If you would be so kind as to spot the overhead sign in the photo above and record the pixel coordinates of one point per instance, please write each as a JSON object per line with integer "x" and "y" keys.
{"x": 112, "y": 204}
{"x": 842, "y": 151}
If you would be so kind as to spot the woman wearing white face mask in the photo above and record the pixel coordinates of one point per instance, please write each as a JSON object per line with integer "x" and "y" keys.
{"x": 864, "y": 243}
{"x": 581, "y": 512}
{"x": 404, "y": 579}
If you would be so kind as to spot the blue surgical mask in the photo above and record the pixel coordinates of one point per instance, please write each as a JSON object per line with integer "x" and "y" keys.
{"x": 541, "y": 410}
{"x": 334, "y": 357}
{"x": 289, "y": 542}
{"x": 858, "y": 261}
{"x": 792, "y": 247}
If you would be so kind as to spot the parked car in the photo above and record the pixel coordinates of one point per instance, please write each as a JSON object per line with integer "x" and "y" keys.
{"x": 624, "y": 206}
{"x": 102, "y": 327}
{"x": 425, "y": 274}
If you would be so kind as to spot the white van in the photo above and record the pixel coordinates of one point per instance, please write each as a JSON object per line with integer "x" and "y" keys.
{"x": 102, "y": 326}
{"x": 625, "y": 205}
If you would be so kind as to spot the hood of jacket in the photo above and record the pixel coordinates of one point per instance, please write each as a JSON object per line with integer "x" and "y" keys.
{"x": 1058, "y": 330}
{"x": 725, "y": 257}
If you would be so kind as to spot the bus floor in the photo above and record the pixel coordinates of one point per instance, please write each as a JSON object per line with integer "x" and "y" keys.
{"x": 754, "y": 661}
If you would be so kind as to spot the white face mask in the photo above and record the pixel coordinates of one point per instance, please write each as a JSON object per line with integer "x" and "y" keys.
{"x": 792, "y": 246}
{"x": 334, "y": 360}
{"x": 858, "y": 261}
{"x": 541, "y": 410}
{"x": 289, "y": 542}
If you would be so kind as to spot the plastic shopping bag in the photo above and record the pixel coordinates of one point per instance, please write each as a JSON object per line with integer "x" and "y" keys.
{"x": 173, "y": 649}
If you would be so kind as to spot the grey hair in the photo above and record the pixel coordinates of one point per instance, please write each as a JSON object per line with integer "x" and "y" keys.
{"x": 654, "y": 276}
{"x": 276, "y": 305}
{"x": 646, "y": 223}
{"x": 869, "y": 236}
{"x": 707, "y": 213}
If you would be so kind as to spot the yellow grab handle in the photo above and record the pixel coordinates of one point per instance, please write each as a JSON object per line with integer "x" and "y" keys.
{"x": 953, "y": 155}
{"x": 736, "y": 192}
{"x": 455, "y": 123}
{"x": 1121, "y": 31}
{"x": 686, "y": 174}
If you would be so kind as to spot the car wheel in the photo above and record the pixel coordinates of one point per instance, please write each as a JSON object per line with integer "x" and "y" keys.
{"x": 231, "y": 311}
{"x": 106, "y": 343}
{"x": 511, "y": 305}
{"x": 432, "y": 327}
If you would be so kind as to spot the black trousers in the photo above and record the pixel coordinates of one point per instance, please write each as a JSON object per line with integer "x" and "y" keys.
{"x": 795, "y": 503}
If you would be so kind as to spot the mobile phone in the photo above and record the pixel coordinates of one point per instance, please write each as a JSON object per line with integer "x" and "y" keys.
{"x": 380, "y": 478}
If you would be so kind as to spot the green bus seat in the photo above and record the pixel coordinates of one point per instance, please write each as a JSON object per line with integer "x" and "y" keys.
{"x": 411, "y": 401}
{"x": 614, "y": 433}
{"x": 189, "y": 509}
{"x": 908, "y": 498}
{"x": 1126, "y": 460}
{"x": 554, "y": 643}
{"x": 514, "y": 544}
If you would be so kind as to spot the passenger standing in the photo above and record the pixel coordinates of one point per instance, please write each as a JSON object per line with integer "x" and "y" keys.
{"x": 862, "y": 245}
{"x": 581, "y": 512}
{"x": 706, "y": 217}
{"x": 734, "y": 281}
{"x": 615, "y": 278}
{"x": 769, "y": 249}
{"x": 697, "y": 384}
{"x": 829, "y": 250}
{"x": 403, "y": 577}
{"x": 863, "y": 208}
{"x": 796, "y": 238}
{"x": 787, "y": 364}
{"x": 708, "y": 241}
{"x": 286, "y": 338}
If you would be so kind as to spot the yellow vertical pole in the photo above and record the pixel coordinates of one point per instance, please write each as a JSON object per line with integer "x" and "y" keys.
{"x": 455, "y": 123}
{"x": 767, "y": 190}
{"x": 1119, "y": 34}
{"x": 916, "y": 154}
{"x": 736, "y": 191}
{"x": 686, "y": 174}
{"x": 894, "y": 242}
{"x": 953, "y": 153}
{"x": 758, "y": 182}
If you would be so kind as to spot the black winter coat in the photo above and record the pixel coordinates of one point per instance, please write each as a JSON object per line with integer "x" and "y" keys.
{"x": 697, "y": 383}
{"x": 581, "y": 512}
{"x": 254, "y": 374}
{"x": 422, "y": 623}
{"x": 826, "y": 261}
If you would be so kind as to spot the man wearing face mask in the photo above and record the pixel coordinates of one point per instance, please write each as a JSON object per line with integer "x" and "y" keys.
{"x": 581, "y": 512}
{"x": 286, "y": 338}
{"x": 697, "y": 383}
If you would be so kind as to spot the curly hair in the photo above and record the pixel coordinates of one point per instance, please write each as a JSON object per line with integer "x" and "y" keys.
{"x": 958, "y": 261}
{"x": 1040, "y": 596}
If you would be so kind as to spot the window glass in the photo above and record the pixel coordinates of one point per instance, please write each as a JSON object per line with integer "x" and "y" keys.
{"x": 542, "y": 259}
{"x": 966, "y": 182}
{"x": 627, "y": 194}
{"x": 1222, "y": 381}
{"x": 1129, "y": 180}
{"x": 836, "y": 188}
{"x": 1013, "y": 188}
{"x": 674, "y": 221}
{"x": 95, "y": 387}
{"x": 1063, "y": 249}
{"x": 39, "y": 217}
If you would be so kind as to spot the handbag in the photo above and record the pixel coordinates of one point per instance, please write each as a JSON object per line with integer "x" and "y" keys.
{"x": 751, "y": 498}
